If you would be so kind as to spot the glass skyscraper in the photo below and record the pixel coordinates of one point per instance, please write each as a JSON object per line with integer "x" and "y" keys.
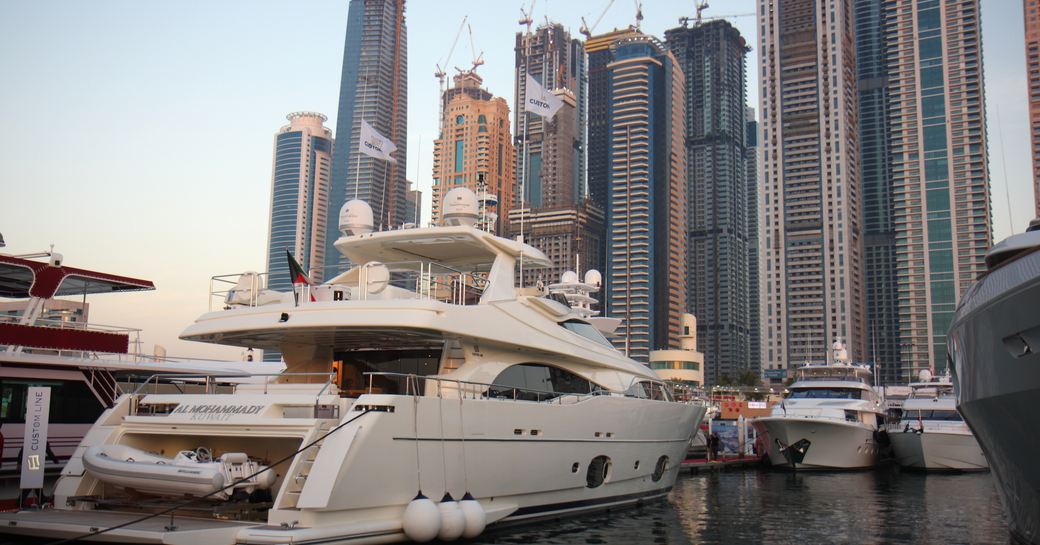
{"x": 374, "y": 88}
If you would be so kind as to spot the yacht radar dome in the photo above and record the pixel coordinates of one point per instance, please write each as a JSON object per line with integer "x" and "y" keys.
{"x": 355, "y": 218}
{"x": 925, "y": 375}
{"x": 569, "y": 277}
{"x": 593, "y": 278}
{"x": 460, "y": 207}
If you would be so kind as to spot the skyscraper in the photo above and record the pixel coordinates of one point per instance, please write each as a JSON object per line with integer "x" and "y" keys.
{"x": 754, "y": 286}
{"x": 939, "y": 168}
{"x": 810, "y": 193}
{"x": 475, "y": 145}
{"x": 879, "y": 252}
{"x": 299, "y": 197}
{"x": 555, "y": 161}
{"x": 646, "y": 216}
{"x": 712, "y": 57}
{"x": 373, "y": 88}
{"x": 1031, "y": 14}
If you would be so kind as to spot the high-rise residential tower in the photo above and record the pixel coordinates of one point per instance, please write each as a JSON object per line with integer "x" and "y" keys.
{"x": 754, "y": 286}
{"x": 810, "y": 192}
{"x": 475, "y": 148}
{"x": 1031, "y": 14}
{"x": 597, "y": 49}
{"x": 712, "y": 57}
{"x": 646, "y": 195}
{"x": 373, "y": 88}
{"x": 299, "y": 197}
{"x": 936, "y": 110}
{"x": 555, "y": 160}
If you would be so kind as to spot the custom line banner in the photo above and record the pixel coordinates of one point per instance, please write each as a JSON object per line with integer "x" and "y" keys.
{"x": 34, "y": 453}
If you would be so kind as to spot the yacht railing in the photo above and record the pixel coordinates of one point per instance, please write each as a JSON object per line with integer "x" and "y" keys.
{"x": 448, "y": 387}
{"x": 209, "y": 384}
{"x": 133, "y": 338}
{"x": 419, "y": 279}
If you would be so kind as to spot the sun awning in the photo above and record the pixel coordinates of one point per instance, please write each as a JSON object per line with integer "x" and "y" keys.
{"x": 21, "y": 278}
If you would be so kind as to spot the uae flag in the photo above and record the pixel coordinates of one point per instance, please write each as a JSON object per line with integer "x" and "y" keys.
{"x": 297, "y": 275}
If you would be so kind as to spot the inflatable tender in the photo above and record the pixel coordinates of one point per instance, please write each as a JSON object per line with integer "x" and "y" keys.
{"x": 191, "y": 472}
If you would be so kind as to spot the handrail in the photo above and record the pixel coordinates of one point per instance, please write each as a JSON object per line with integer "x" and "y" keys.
{"x": 211, "y": 378}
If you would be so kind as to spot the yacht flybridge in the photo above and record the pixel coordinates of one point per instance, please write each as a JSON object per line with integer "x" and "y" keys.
{"x": 426, "y": 396}
{"x": 830, "y": 419}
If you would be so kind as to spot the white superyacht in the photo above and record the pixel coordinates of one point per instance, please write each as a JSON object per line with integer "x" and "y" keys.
{"x": 426, "y": 397}
{"x": 931, "y": 434}
{"x": 829, "y": 420}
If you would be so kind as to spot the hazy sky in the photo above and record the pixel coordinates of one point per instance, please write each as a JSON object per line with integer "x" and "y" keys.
{"x": 137, "y": 136}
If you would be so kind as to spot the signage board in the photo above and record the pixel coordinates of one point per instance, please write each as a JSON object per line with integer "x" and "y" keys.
{"x": 34, "y": 453}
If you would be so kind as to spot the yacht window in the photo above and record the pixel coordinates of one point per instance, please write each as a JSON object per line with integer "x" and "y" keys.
{"x": 72, "y": 402}
{"x": 825, "y": 393}
{"x": 647, "y": 389}
{"x": 355, "y": 363}
{"x": 948, "y": 416}
{"x": 538, "y": 382}
{"x": 588, "y": 331}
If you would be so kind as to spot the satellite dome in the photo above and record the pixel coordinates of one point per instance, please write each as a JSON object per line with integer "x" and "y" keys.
{"x": 355, "y": 218}
{"x": 593, "y": 278}
{"x": 925, "y": 375}
{"x": 569, "y": 277}
{"x": 460, "y": 208}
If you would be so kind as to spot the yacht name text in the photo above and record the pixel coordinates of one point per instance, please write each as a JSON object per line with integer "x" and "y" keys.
{"x": 215, "y": 412}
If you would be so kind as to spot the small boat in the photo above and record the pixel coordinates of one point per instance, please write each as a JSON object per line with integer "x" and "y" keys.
{"x": 189, "y": 473}
{"x": 931, "y": 434}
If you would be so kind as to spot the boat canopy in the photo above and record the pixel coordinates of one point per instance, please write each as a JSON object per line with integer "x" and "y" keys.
{"x": 461, "y": 248}
{"x": 22, "y": 278}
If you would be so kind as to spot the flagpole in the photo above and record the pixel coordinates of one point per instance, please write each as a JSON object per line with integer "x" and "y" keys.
{"x": 523, "y": 179}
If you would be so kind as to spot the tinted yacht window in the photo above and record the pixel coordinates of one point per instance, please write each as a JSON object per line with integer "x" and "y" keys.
{"x": 588, "y": 331}
{"x": 538, "y": 382}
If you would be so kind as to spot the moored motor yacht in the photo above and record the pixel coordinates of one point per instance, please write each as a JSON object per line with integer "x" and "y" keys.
{"x": 830, "y": 419}
{"x": 47, "y": 340}
{"x": 994, "y": 349}
{"x": 931, "y": 434}
{"x": 426, "y": 396}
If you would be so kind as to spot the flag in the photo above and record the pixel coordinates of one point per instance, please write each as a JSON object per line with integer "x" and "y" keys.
{"x": 297, "y": 275}
{"x": 540, "y": 101}
{"x": 376, "y": 145}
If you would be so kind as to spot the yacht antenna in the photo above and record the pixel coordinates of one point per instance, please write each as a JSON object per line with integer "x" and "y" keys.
{"x": 1003, "y": 165}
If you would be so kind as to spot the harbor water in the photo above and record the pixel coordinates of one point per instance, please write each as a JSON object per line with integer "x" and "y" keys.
{"x": 886, "y": 506}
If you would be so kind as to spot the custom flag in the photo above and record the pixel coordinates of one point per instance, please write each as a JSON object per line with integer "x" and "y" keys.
{"x": 376, "y": 145}
{"x": 297, "y": 275}
{"x": 539, "y": 100}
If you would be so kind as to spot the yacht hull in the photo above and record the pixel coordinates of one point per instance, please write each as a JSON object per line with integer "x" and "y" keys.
{"x": 938, "y": 451}
{"x": 521, "y": 460}
{"x": 830, "y": 444}
{"x": 995, "y": 347}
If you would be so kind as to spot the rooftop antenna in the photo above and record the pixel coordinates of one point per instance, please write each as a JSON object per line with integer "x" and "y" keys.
{"x": 587, "y": 30}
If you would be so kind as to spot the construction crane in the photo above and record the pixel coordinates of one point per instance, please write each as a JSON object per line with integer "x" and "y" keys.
{"x": 477, "y": 59}
{"x": 639, "y": 14}
{"x": 528, "y": 16}
{"x": 698, "y": 19}
{"x": 587, "y": 30}
{"x": 440, "y": 74}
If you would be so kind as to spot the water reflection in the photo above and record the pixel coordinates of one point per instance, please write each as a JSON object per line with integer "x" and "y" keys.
{"x": 874, "y": 507}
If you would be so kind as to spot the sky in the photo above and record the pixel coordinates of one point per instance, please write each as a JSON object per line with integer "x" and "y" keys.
{"x": 137, "y": 136}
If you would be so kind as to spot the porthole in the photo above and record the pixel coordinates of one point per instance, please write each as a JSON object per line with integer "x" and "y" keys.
{"x": 598, "y": 472}
{"x": 660, "y": 468}
{"x": 574, "y": 468}
{"x": 637, "y": 465}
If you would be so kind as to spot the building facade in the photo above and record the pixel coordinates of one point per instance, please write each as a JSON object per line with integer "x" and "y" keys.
{"x": 712, "y": 56}
{"x": 754, "y": 211}
{"x": 810, "y": 192}
{"x": 301, "y": 172}
{"x": 1031, "y": 15}
{"x": 646, "y": 213}
{"x": 373, "y": 88}
{"x": 475, "y": 148}
{"x": 554, "y": 165}
{"x": 940, "y": 200}
{"x": 570, "y": 236}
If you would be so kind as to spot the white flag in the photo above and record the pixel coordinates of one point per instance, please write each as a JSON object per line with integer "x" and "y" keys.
{"x": 376, "y": 145}
{"x": 539, "y": 100}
